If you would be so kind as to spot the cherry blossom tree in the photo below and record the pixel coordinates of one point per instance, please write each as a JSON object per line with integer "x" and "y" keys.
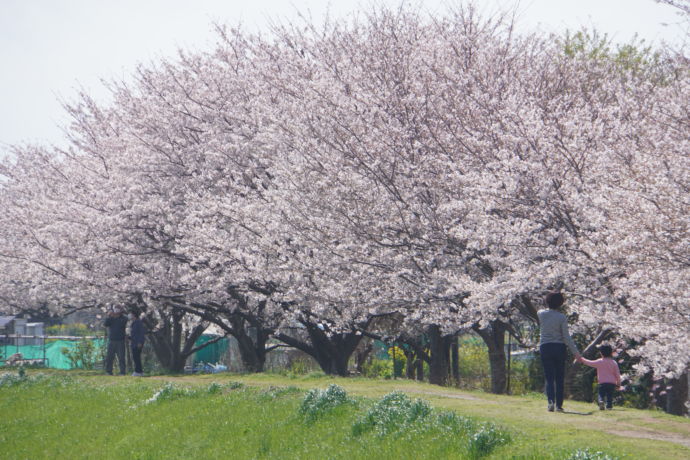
{"x": 441, "y": 171}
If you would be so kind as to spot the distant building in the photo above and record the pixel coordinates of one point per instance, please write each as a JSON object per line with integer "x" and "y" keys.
{"x": 6, "y": 327}
{"x": 11, "y": 325}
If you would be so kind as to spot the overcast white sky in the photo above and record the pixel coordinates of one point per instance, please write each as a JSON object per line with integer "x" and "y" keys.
{"x": 48, "y": 48}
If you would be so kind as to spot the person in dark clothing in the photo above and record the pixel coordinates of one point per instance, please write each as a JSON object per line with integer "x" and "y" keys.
{"x": 116, "y": 323}
{"x": 137, "y": 336}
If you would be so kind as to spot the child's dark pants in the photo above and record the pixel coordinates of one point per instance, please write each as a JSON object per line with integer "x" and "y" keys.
{"x": 606, "y": 394}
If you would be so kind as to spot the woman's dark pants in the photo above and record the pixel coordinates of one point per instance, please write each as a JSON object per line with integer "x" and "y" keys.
{"x": 553, "y": 359}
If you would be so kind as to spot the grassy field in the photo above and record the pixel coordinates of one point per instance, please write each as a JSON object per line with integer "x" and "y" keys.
{"x": 85, "y": 415}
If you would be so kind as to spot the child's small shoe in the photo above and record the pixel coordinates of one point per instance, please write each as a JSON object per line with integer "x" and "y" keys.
{"x": 551, "y": 407}
{"x": 559, "y": 409}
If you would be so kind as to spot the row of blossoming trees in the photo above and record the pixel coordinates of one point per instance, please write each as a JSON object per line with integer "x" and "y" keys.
{"x": 433, "y": 174}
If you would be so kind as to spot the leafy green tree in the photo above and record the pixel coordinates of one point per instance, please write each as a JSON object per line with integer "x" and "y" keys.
{"x": 636, "y": 57}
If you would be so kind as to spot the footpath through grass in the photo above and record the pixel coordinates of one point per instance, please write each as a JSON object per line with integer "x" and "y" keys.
{"x": 84, "y": 415}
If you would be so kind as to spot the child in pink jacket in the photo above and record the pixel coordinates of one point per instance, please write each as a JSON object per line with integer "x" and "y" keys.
{"x": 608, "y": 375}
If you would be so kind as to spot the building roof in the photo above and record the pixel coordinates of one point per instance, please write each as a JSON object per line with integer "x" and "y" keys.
{"x": 5, "y": 320}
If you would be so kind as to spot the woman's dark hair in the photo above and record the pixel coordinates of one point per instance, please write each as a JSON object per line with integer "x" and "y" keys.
{"x": 554, "y": 300}
{"x": 606, "y": 351}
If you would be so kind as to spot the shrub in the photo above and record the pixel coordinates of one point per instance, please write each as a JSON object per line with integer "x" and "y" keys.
{"x": 451, "y": 421}
{"x": 482, "y": 438}
{"x": 234, "y": 385}
{"x": 483, "y": 441}
{"x": 8, "y": 379}
{"x": 301, "y": 366}
{"x": 535, "y": 373}
{"x": 473, "y": 359}
{"x": 167, "y": 393}
{"x": 378, "y": 368}
{"x": 395, "y": 411}
{"x": 638, "y": 393}
{"x": 475, "y": 372}
{"x": 315, "y": 375}
{"x": 586, "y": 454}
{"x": 398, "y": 359}
{"x": 519, "y": 377}
{"x": 76, "y": 329}
{"x": 316, "y": 402}
{"x": 275, "y": 392}
{"x": 214, "y": 388}
{"x": 83, "y": 356}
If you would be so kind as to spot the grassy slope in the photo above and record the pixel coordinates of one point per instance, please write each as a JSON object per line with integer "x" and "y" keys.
{"x": 527, "y": 416}
{"x": 97, "y": 420}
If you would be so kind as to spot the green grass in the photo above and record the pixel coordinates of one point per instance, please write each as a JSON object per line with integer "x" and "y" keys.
{"x": 85, "y": 415}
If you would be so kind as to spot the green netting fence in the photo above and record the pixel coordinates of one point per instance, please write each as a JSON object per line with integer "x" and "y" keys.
{"x": 52, "y": 356}
{"x": 213, "y": 353}
{"x": 51, "y": 352}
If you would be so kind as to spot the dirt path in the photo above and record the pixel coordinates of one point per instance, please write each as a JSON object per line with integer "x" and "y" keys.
{"x": 448, "y": 395}
{"x": 654, "y": 435}
{"x": 622, "y": 429}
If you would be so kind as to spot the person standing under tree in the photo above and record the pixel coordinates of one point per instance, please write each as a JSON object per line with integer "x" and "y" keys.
{"x": 116, "y": 323}
{"x": 137, "y": 335}
{"x": 553, "y": 337}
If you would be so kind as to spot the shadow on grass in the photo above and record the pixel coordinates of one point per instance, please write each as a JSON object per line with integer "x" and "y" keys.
{"x": 571, "y": 412}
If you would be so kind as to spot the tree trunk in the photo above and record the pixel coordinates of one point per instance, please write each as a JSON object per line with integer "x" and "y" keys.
{"x": 677, "y": 396}
{"x": 166, "y": 339}
{"x": 171, "y": 344}
{"x": 499, "y": 374}
{"x": 409, "y": 363}
{"x": 455, "y": 360}
{"x": 415, "y": 355}
{"x": 331, "y": 351}
{"x": 362, "y": 353}
{"x": 439, "y": 357}
{"x": 244, "y": 323}
{"x": 420, "y": 369}
{"x": 251, "y": 342}
{"x": 170, "y": 359}
{"x": 252, "y": 353}
{"x": 494, "y": 338}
